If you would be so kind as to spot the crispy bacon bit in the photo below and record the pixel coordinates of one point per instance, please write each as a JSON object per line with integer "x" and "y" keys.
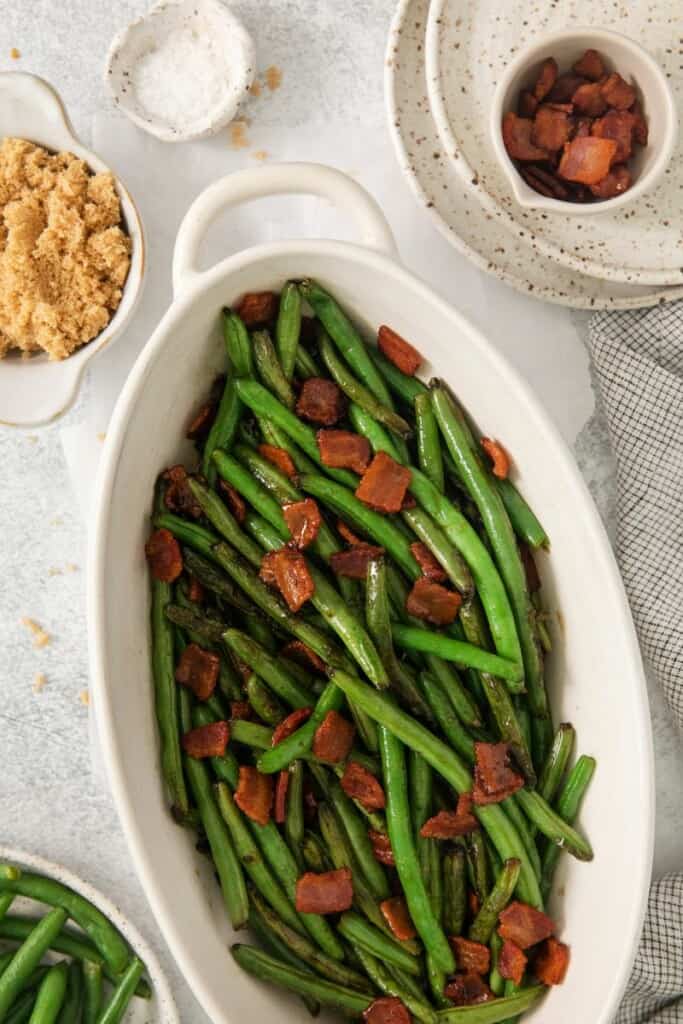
{"x": 195, "y": 590}
{"x": 297, "y": 651}
{"x": 303, "y": 521}
{"x": 408, "y": 502}
{"x": 321, "y": 401}
{"x": 551, "y": 128}
{"x": 617, "y": 181}
{"x": 498, "y": 456}
{"x": 551, "y": 962}
{"x": 354, "y": 561}
{"x": 384, "y": 484}
{"x": 448, "y": 825}
{"x": 267, "y": 570}
{"x": 433, "y": 603}
{"x": 333, "y": 738}
{"x": 527, "y": 104}
{"x": 398, "y": 351}
{"x": 386, "y": 1010}
{"x": 473, "y": 903}
{"x": 200, "y": 424}
{"x": 342, "y": 449}
{"x": 511, "y": 962}
{"x": 533, "y": 580}
{"x": 395, "y": 911}
{"x": 178, "y": 497}
{"x": 544, "y": 182}
{"x": 234, "y": 500}
{"x": 381, "y": 847}
{"x": 240, "y": 709}
{"x": 326, "y": 893}
{"x": 254, "y": 794}
{"x": 471, "y": 957}
{"x": 347, "y": 533}
{"x": 310, "y": 802}
{"x": 163, "y": 555}
{"x": 198, "y": 670}
{"x": 494, "y": 779}
{"x": 242, "y": 668}
{"x": 590, "y": 65}
{"x": 547, "y": 77}
{"x": 583, "y": 127}
{"x": 640, "y": 130}
{"x": 257, "y": 308}
{"x": 565, "y": 87}
{"x": 290, "y": 724}
{"x": 617, "y": 125}
{"x": 427, "y": 562}
{"x": 588, "y": 100}
{"x": 618, "y": 93}
{"x": 524, "y": 925}
{"x": 517, "y": 138}
{"x": 279, "y": 458}
{"x": 281, "y": 788}
{"x": 468, "y": 990}
{"x": 207, "y": 740}
{"x": 587, "y": 160}
{"x": 361, "y": 785}
{"x": 288, "y": 570}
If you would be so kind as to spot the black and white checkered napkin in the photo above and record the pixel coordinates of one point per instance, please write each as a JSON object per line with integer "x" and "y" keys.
{"x": 638, "y": 361}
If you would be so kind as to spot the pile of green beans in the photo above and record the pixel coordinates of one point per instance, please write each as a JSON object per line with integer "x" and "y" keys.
{"x": 35, "y": 988}
{"x": 420, "y": 697}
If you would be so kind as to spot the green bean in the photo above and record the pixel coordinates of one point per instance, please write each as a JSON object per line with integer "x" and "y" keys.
{"x": 277, "y": 948}
{"x": 299, "y": 742}
{"x": 223, "y": 429}
{"x": 449, "y": 723}
{"x": 315, "y": 854}
{"x": 288, "y": 327}
{"x": 478, "y": 864}
{"x": 541, "y": 740}
{"x": 267, "y": 474}
{"x": 542, "y": 619}
{"x": 551, "y": 777}
{"x": 28, "y": 956}
{"x": 416, "y": 639}
{"x": 552, "y": 825}
{"x": 269, "y": 369}
{"x": 496, "y": 901}
{"x": 266, "y": 705}
{"x": 568, "y": 804}
{"x": 51, "y": 995}
{"x": 403, "y": 846}
{"x": 514, "y": 813}
{"x": 495, "y": 1012}
{"x": 420, "y": 784}
{"x": 22, "y": 1009}
{"x": 267, "y": 968}
{"x": 405, "y": 387}
{"x": 204, "y": 630}
{"x": 496, "y": 981}
{"x": 216, "y": 581}
{"x": 257, "y": 496}
{"x": 437, "y": 983}
{"x": 386, "y": 982}
{"x": 72, "y": 1007}
{"x": 524, "y": 522}
{"x": 360, "y": 932}
{"x": 5, "y": 959}
{"x": 115, "y": 1009}
{"x": 6, "y": 901}
{"x": 306, "y": 365}
{"x": 435, "y": 879}
{"x": 228, "y": 683}
{"x": 446, "y": 554}
{"x": 458, "y": 696}
{"x": 455, "y": 891}
{"x": 428, "y": 441}
{"x": 223, "y": 520}
{"x": 294, "y": 815}
{"x": 251, "y": 734}
{"x": 272, "y": 434}
{"x": 92, "y": 991}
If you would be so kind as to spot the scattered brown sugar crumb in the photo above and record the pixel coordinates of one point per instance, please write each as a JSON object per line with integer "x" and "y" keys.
{"x": 63, "y": 256}
{"x": 260, "y": 154}
{"x": 102, "y": 435}
{"x": 71, "y": 567}
{"x": 14, "y": 53}
{"x": 255, "y": 88}
{"x": 39, "y": 682}
{"x": 273, "y": 76}
{"x": 238, "y": 135}
{"x": 40, "y": 637}
{"x": 84, "y": 697}
{"x": 55, "y": 571}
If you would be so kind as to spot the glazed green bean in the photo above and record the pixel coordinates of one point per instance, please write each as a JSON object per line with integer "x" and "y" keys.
{"x": 458, "y": 696}
{"x": 22, "y": 1009}
{"x": 415, "y": 639}
{"x": 272, "y": 434}
{"x": 204, "y": 631}
{"x": 269, "y": 369}
{"x": 216, "y": 581}
{"x": 360, "y": 932}
{"x": 449, "y": 723}
{"x": 478, "y": 865}
{"x": 51, "y": 995}
{"x": 115, "y": 1009}
{"x": 223, "y": 520}
{"x": 257, "y": 496}
{"x": 524, "y": 522}
{"x": 315, "y": 854}
{"x": 552, "y": 825}
{"x": 72, "y": 1007}
{"x": 428, "y": 441}
{"x": 276, "y": 947}
{"x": 288, "y": 327}
{"x": 568, "y": 804}
{"x": 6, "y": 901}
{"x": 551, "y": 777}
{"x": 294, "y": 815}
{"x": 403, "y": 386}
{"x": 224, "y": 426}
{"x": 455, "y": 891}
{"x": 386, "y": 982}
{"x": 495, "y": 902}
{"x": 541, "y": 740}
{"x": 495, "y": 1012}
{"x": 266, "y": 705}
{"x": 28, "y": 956}
{"x": 92, "y": 991}
{"x": 260, "y": 737}
{"x": 514, "y": 813}
{"x": 446, "y": 554}
{"x": 306, "y": 365}
{"x": 299, "y": 742}
{"x": 267, "y": 474}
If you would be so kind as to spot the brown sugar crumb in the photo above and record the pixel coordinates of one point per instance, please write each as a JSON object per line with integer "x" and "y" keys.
{"x": 260, "y": 154}
{"x": 273, "y": 76}
{"x": 55, "y": 571}
{"x": 14, "y": 53}
{"x": 255, "y": 88}
{"x": 40, "y": 637}
{"x": 102, "y": 435}
{"x": 238, "y": 135}
{"x": 71, "y": 567}
{"x": 64, "y": 257}
{"x": 84, "y": 697}
{"x": 39, "y": 682}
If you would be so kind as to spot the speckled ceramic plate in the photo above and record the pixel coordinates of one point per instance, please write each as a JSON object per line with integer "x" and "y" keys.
{"x": 467, "y": 48}
{"x": 456, "y": 210}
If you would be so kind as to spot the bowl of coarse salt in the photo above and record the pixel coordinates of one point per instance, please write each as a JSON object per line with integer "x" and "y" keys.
{"x": 181, "y": 71}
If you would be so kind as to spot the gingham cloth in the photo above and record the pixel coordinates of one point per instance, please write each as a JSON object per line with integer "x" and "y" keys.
{"x": 638, "y": 361}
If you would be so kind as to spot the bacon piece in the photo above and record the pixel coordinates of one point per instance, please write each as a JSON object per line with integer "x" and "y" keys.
{"x": 565, "y": 87}
{"x": 473, "y": 903}
{"x": 290, "y": 724}
{"x": 547, "y": 77}
{"x": 449, "y": 824}
{"x": 517, "y": 138}
{"x": 494, "y": 779}
{"x": 550, "y": 128}
{"x": 543, "y": 182}
{"x": 617, "y": 125}
{"x": 588, "y": 99}
{"x": 267, "y": 570}
{"x": 207, "y": 740}
{"x": 618, "y": 93}
{"x": 527, "y": 105}
{"x": 291, "y": 576}
{"x": 427, "y": 562}
{"x": 471, "y": 957}
{"x": 398, "y": 351}
{"x": 583, "y": 127}
{"x": 433, "y": 603}
{"x": 353, "y": 562}
{"x": 498, "y": 456}
{"x": 551, "y": 962}
{"x": 242, "y": 668}
{"x": 386, "y": 1010}
{"x": 381, "y": 848}
{"x": 257, "y": 308}
{"x": 524, "y": 925}
{"x": 587, "y": 160}
{"x": 297, "y": 651}
{"x": 617, "y": 182}
{"x": 310, "y": 802}
{"x": 533, "y": 580}
{"x": 384, "y": 484}
{"x": 281, "y": 788}
{"x": 468, "y": 990}
{"x": 511, "y": 962}
{"x": 198, "y": 669}
{"x": 195, "y": 590}
{"x": 640, "y": 129}
{"x": 199, "y": 426}
{"x": 347, "y": 533}
{"x": 321, "y": 401}
{"x": 163, "y": 555}
{"x": 233, "y": 499}
{"x": 326, "y": 893}
{"x": 254, "y": 794}
{"x": 590, "y": 65}
{"x": 303, "y": 521}
{"x": 333, "y": 738}
{"x": 279, "y": 458}
{"x": 361, "y": 785}
{"x": 342, "y": 449}
{"x": 408, "y": 502}
{"x": 395, "y": 911}
{"x": 240, "y": 709}
{"x": 178, "y": 497}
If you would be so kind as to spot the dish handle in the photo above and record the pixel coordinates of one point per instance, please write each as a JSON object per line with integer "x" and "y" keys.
{"x": 276, "y": 179}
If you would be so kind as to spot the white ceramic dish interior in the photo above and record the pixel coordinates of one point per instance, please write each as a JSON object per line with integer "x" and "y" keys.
{"x": 595, "y": 671}
{"x": 206, "y": 28}
{"x": 467, "y": 57}
{"x": 636, "y": 66}
{"x": 161, "y": 1008}
{"x": 35, "y": 390}
{"x": 459, "y": 208}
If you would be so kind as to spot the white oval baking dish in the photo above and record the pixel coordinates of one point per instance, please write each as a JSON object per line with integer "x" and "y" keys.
{"x": 595, "y": 675}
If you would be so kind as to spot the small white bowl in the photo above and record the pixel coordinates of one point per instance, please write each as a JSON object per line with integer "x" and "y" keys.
{"x": 636, "y": 66}
{"x": 181, "y": 25}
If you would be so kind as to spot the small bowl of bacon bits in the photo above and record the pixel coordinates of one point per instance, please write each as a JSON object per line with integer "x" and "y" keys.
{"x": 583, "y": 121}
